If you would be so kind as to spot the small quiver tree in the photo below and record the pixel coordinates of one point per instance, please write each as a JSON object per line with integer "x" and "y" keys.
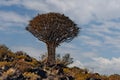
{"x": 53, "y": 29}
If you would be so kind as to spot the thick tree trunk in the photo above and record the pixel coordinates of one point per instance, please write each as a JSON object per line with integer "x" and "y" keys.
{"x": 51, "y": 53}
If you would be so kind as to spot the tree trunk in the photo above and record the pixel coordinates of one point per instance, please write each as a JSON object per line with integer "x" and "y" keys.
{"x": 51, "y": 53}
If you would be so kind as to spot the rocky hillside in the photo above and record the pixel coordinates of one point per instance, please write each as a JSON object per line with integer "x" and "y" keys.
{"x": 20, "y": 66}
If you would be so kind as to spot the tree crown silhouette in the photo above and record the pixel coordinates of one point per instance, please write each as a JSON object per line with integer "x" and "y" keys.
{"x": 53, "y": 29}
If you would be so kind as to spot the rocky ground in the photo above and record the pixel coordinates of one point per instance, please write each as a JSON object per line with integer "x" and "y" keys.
{"x": 20, "y": 66}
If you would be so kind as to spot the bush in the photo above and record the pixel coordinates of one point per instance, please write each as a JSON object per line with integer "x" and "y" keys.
{"x": 6, "y": 54}
{"x": 64, "y": 60}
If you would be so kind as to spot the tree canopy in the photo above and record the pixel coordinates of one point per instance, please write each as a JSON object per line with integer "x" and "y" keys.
{"x": 53, "y": 29}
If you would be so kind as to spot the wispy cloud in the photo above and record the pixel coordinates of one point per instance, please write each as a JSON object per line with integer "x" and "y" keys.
{"x": 101, "y": 65}
{"x": 13, "y": 17}
{"x": 77, "y": 63}
{"x": 91, "y": 41}
{"x": 107, "y": 66}
{"x": 83, "y": 11}
{"x": 9, "y": 19}
{"x": 102, "y": 35}
{"x": 9, "y": 2}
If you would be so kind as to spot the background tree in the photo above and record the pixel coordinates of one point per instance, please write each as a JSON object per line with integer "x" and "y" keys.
{"x": 52, "y": 29}
{"x": 65, "y": 60}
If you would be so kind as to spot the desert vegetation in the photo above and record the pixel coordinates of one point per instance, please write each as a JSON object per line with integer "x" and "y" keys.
{"x": 53, "y": 29}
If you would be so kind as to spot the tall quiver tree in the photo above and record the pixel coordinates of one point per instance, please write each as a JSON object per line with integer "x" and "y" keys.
{"x": 53, "y": 29}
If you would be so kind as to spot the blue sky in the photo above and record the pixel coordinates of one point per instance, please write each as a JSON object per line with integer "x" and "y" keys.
{"x": 98, "y": 45}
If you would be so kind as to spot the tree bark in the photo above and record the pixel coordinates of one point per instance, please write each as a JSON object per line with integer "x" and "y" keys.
{"x": 51, "y": 53}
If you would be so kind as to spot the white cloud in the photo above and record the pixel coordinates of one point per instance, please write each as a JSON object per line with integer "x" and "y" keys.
{"x": 13, "y": 17}
{"x": 37, "y": 5}
{"x": 101, "y": 65}
{"x": 91, "y": 41}
{"x": 77, "y": 64}
{"x": 106, "y": 66}
{"x": 9, "y": 19}
{"x": 9, "y": 2}
{"x": 105, "y": 38}
{"x": 83, "y": 11}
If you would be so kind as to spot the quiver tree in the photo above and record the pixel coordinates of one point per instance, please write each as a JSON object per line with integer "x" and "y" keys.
{"x": 52, "y": 29}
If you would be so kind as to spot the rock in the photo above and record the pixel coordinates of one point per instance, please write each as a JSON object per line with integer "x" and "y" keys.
{"x": 70, "y": 78}
{"x": 66, "y": 77}
{"x": 5, "y": 68}
{"x": 39, "y": 72}
{"x": 50, "y": 77}
{"x": 16, "y": 77}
